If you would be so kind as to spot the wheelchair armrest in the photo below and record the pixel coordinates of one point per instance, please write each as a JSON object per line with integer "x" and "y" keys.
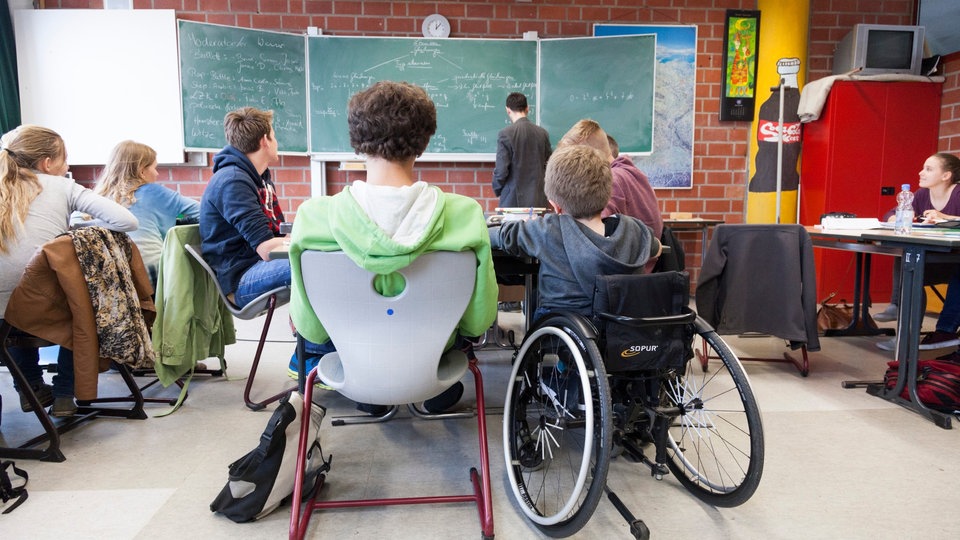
{"x": 687, "y": 317}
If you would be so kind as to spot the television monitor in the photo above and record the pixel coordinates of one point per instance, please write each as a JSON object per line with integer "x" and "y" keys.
{"x": 880, "y": 48}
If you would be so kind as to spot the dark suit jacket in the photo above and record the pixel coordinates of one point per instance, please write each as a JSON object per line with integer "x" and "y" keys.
{"x": 761, "y": 278}
{"x": 523, "y": 149}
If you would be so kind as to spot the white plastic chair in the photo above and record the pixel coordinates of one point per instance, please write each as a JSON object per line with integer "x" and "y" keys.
{"x": 390, "y": 351}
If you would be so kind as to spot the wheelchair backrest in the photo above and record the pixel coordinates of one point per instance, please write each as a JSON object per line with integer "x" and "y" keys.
{"x": 645, "y": 321}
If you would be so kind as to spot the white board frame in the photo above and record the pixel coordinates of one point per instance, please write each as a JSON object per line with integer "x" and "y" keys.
{"x": 98, "y": 77}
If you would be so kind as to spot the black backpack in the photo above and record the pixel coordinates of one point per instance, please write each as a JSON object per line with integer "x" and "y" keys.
{"x": 263, "y": 479}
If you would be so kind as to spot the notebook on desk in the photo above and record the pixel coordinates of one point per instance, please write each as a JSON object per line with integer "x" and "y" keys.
{"x": 844, "y": 223}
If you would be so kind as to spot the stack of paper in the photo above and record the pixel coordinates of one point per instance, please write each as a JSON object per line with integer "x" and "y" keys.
{"x": 850, "y": 223}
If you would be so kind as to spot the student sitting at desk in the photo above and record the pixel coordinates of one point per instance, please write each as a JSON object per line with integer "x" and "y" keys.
{"x": 240, "y": 216}
{"x": 129, "y": 178}
{"x": 384, "y": 223}
{"x": 575, "y": 244}
{"x": 936, "y": 200}
{"x": 630, "y": 193}
{"x": 38, "y": 201}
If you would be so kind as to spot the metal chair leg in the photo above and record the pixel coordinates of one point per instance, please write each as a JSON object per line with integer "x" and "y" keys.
{"x": 259, "y": 405}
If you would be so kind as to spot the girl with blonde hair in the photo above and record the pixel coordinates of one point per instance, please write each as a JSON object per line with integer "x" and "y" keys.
{"x": 129, "y": 178}
{"x": 36, "y": 200}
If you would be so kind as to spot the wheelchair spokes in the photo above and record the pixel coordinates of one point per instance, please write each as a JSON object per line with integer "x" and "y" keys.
{"x": 716, "y": 445}
{"x": 565, "y": 417}
{"x": 554, "y": 434}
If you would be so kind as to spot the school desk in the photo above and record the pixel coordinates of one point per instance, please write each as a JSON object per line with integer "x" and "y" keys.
{"x": 914, "y": 250}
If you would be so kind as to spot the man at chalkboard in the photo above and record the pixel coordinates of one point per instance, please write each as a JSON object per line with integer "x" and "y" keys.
{"x": 522, "y": 152}
{"x": 240, "y": 215}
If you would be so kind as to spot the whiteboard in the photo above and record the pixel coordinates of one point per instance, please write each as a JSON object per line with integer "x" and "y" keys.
{"x": 98, "y": 77}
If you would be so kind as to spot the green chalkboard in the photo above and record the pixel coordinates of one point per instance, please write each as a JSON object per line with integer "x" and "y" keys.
{"x": 468, "y": 80}
{"x": 223, "y": 68}
{"x": 607, "y": 79}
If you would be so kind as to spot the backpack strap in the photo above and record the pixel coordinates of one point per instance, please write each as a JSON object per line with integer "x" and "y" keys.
{"x": 10, "y": 492}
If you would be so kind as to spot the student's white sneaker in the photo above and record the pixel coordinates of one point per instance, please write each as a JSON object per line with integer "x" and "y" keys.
{"x": 887, "y": 344}
{"x": 887, "y": 315}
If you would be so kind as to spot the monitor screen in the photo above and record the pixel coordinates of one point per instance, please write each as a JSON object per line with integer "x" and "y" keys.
{"x": 889, "y": 49}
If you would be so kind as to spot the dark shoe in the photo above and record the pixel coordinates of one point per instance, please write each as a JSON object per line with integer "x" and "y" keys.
{"x": 63, "y": 407}
{"x": 952, "y": 357}
{"x": 373, "y": 410}
{"x": 44, "y": 393}
{"x": 446, "y": 399}
{"x": 939, "y": 340}
{"x": 510, "y": 306}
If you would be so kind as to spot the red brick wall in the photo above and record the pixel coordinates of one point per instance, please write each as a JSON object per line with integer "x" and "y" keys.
{"x": 720, "y": 149}
{"x": 950, "y": 105}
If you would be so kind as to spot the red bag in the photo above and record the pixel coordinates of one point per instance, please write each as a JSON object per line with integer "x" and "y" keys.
{"x": 938, "y": 383}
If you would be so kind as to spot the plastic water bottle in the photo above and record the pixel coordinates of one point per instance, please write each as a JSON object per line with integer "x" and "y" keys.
{"x": 903, "y": 223}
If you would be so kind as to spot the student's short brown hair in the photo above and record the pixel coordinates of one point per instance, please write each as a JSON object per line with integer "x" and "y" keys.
{"x": 246, "y": 126}
{"x": 578, "y": 179}
{"x": 391, "y": 120}
{"x": 587, "y": 132}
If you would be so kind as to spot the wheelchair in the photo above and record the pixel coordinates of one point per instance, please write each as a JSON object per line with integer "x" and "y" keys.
{"x": 570, "y": 409}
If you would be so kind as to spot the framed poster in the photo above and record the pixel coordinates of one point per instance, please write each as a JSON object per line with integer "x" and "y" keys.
{"x": 739, "y": 83}
{"x": 670, "y": 164}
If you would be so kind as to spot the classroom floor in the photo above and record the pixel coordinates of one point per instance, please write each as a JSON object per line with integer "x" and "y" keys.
{"x": 839, "y": 463}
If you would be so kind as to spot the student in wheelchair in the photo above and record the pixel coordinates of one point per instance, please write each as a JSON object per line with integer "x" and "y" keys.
{"x": 574, "y": 245}
{"x": 605, "y": 367}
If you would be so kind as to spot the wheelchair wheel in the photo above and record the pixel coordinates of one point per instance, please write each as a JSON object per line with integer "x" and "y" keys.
{"x": 556, "y": 427}
{"x": 715, "y": 447}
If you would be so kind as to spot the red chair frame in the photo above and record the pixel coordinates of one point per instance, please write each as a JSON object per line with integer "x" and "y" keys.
{"x": 301, "y": 511}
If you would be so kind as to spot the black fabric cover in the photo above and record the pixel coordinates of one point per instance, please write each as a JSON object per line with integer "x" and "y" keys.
{"x": 675, "y": 261}
{"x": 627, "y": 347}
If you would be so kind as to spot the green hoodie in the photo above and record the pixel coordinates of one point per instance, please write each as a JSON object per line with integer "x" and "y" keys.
{"x": 337, "y": 223}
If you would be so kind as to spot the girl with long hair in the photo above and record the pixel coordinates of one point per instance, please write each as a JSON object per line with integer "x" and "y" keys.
{"x": 129, "y": 178}
{"x": 36, "y": 200}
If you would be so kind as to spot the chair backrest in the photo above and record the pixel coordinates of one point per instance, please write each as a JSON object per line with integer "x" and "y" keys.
{"x": 645, "y": 320}
{"x": 675, "y": 259}
{"x": 390, "y": 350}
{"x": 253, "y": 309}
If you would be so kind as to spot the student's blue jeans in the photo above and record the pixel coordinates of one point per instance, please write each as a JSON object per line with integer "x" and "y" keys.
{"x": 949, "y": 319}
{"x": 28, "y": 360}
{"x": 265, "y": 276}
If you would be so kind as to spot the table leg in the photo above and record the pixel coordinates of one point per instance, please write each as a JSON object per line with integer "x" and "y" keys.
{"x": 908, "y": 339}
{"x": 862, "y": 323}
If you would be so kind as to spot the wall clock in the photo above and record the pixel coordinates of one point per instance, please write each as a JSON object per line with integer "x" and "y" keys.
{"x": 436, "y": 26}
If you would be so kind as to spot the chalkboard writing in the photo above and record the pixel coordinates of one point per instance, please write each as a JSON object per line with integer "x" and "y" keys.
{"x": 223, "y": 68}
{"x": 468, "y": 80}
{"x": 608, "y": 79}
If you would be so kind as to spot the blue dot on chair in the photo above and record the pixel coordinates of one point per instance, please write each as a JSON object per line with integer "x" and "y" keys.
{"x": 390, "y": 311}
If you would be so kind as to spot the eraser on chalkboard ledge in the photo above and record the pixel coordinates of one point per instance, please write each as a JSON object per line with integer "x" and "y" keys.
{"x": 353, "y": 165}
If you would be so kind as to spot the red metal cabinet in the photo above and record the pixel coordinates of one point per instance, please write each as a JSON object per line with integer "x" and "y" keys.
{"x": 871, "y": 137}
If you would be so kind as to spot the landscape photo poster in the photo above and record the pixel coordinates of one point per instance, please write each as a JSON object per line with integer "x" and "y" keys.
{"x": 670, "y": 164}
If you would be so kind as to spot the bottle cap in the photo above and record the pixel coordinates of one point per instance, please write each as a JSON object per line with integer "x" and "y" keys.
{"x": 905, "y": 187}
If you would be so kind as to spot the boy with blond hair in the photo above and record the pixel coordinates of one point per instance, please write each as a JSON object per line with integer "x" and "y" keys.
{"x": 576, "y": 244}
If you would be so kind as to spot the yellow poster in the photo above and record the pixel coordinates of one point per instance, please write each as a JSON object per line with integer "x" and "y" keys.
{"x": 782, "y": 57}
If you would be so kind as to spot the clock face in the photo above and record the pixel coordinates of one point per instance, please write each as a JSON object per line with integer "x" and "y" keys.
{"x": 436, "y": 25}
